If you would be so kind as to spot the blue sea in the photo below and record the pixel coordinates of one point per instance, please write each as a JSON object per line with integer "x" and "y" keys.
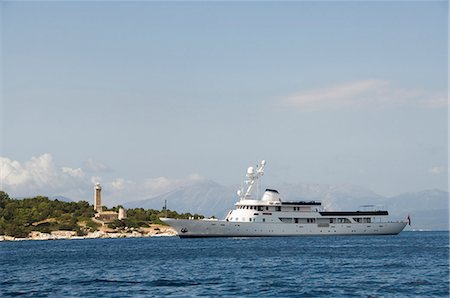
{"x": 414, "y": 264}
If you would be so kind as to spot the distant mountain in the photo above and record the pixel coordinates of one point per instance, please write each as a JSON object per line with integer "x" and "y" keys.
{"x": 203, "y": 197}
{"x": 61, "y": 198}
{"x": 428, "y": 209}
{"x": 339, "y": 197}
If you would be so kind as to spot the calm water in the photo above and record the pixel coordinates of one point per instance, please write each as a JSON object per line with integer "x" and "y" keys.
{"x": 410, "y": 264}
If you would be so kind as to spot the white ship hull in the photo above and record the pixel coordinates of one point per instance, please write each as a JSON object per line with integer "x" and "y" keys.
{"x": 188, "y": 228}
{"x": 273, "y": 216}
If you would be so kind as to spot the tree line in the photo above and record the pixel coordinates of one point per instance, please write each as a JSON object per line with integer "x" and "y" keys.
{"x": 19, "y": 217}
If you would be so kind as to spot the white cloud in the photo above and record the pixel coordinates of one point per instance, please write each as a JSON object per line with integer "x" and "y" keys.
{"x": 41, "y": 176}
{"x": 363, "y": 93}
{"x": 77, "y": 173}
{"x": 94, "y": 166}
{"x": 438, "y": 101}
{"x": 121, "y": 184}
{"x": 121, "y": 190}
{"x": 437, "y": 170}
{"x": 160, "y": 185}
{"x": 96, "y": 179}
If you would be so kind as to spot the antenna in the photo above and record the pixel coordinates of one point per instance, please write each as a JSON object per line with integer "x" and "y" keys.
{"x": 252, "y": 177}
{"x": 165, "y": 207}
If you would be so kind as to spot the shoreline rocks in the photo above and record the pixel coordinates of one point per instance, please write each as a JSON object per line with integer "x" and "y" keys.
{"x": 152, "y": 231}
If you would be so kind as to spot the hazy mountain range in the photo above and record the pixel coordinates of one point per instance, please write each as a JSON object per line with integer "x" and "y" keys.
{"x": 428, "y": 209}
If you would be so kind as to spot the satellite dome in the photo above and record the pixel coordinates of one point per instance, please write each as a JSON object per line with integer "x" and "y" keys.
{"x": 271, "y": 195}
{"x": 250, "y": 171}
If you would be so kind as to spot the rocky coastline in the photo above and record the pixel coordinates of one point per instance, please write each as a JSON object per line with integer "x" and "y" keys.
{"x": 152, "y": 231}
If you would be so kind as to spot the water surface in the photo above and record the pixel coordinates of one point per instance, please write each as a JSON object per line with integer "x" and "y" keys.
{"x": 409, "y": 264}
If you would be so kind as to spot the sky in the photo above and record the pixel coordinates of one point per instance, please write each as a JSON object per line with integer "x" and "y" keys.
{"x": 147, "y": 96}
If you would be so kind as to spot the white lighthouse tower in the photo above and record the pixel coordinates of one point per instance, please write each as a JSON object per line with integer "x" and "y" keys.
{"x": 98, "y": 198}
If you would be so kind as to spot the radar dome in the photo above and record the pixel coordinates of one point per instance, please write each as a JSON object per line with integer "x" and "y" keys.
{"x": 250, "y": 171}
{"x": 271, "y": 195}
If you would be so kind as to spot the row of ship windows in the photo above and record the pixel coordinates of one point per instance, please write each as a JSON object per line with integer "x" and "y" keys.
{"x": 259, "y": 208}
{"x": 314, "y": 220}
{"x": 276, "y": 208}
{"x": 308, "y": 220}
{"x": 244, "y": 219}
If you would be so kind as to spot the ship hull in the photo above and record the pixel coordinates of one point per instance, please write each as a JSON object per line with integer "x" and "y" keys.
{"x": 187, "y": 228}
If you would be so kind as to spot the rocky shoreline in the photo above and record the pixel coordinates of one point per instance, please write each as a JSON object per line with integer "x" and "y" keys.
{"x": 152, "y": 231}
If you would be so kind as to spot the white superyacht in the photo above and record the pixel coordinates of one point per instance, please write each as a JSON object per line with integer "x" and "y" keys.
{"x": 272, "y": 216}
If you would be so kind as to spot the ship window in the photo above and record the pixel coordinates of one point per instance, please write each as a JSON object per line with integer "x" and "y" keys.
{"x": 267, "y": 208}
{"x": 264, "y": 219}
{"x": 278, "y": 208}
{"x": 260, "y": 208}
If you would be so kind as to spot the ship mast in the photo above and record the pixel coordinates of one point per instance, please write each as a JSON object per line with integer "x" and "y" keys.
{"x": 252, "y": 176}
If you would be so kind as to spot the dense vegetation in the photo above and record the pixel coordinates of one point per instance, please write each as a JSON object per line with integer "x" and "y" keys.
{"x": 19, "y": 217}
{"x": 139, "y": 217}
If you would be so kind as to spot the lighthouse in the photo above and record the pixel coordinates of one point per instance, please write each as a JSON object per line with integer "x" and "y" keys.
{"x": 98, "y": 198}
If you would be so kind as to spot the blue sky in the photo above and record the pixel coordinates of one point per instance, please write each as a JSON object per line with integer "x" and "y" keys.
{"x": 148, "y": 95}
